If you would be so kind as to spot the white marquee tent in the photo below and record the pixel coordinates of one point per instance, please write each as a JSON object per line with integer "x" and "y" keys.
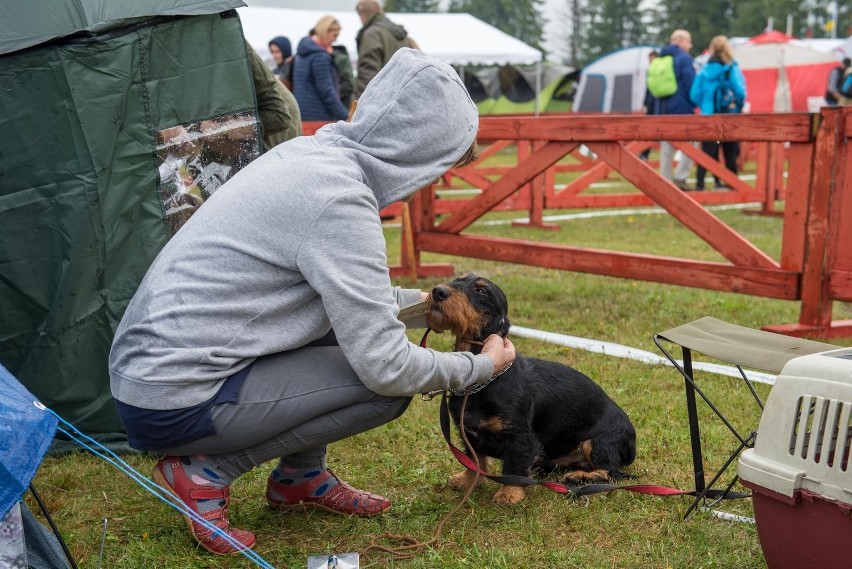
{"x": 459, "y": 39}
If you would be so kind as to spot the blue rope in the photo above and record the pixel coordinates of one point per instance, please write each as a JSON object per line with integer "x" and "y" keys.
{"x": 109, "y": 456}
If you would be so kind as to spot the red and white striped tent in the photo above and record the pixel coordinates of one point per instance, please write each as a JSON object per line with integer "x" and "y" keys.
{"x": 781, "y": 76}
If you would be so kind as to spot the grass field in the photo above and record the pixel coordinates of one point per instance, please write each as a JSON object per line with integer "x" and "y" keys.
{"x": 407, "y": 460}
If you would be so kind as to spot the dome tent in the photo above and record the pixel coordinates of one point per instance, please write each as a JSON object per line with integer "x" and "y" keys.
{"x": 112, "y": 100}
{"x": 511, "y": 89}
{"x": 614, "y": 83}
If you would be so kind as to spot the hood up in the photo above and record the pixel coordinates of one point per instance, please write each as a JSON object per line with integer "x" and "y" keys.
{"x": 414, "y": 121}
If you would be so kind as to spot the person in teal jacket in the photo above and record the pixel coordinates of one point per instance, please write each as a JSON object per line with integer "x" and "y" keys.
{"x": 720, "y": 70}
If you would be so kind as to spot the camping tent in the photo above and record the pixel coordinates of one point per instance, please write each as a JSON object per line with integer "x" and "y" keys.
{"x": 781, "y": 76}
{"x": 614, "y": 83}
{"x": 457, "y": 38}
{"x": 26, "y": 431}
{"x": 109, "y": 132}
{"x": 510, "y": 89}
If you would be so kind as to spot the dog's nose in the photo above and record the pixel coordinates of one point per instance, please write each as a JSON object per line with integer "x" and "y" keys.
{"x": 440, "y": 293}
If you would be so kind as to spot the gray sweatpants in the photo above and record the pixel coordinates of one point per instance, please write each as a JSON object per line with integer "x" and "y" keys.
{"x": 292, "y": 403}
{"x": 667, "y": 153}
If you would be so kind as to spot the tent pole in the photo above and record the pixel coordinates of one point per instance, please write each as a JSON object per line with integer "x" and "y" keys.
{"x": 537, "y": 87}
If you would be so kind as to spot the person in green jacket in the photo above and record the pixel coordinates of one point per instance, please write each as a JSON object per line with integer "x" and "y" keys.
{"x": 277, "y": 108}
{"x": 377, "y": 40}
{"x": 340, "y": 57}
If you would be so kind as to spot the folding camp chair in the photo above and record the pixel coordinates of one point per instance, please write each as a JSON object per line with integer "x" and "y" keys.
{"x": 743, "y": 347}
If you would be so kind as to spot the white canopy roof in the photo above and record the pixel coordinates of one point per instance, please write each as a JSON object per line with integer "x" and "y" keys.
{"x": 766, "y": 55}
{"x": 458, "y": 39}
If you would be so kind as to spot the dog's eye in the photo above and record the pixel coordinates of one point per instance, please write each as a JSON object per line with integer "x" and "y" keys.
{"x": 480, "y": 290}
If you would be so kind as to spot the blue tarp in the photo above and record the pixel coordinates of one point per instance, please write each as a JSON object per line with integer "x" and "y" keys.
{"x": 26, "y": 431}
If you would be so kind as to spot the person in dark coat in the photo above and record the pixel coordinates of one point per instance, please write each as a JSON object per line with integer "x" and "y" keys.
{"x": 377, "y": 41}
{"x": 316, "y": 83}
{"x": 677, "y": 104}
{"x": 282, "y": 53}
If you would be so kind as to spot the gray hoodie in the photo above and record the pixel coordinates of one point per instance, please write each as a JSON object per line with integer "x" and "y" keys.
{"x": 292, "y": 246}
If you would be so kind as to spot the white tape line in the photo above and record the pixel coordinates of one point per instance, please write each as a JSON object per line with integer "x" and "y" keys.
{"x": 620, "y": 351}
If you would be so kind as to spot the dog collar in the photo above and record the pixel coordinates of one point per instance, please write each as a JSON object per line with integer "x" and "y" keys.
{"x": 477, "y": 387}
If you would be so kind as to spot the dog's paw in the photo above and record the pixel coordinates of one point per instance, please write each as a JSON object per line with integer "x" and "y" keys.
{"x": 582, "y": 477}
{"x": 509, "y": 495}
{"x": 464, "y": 480}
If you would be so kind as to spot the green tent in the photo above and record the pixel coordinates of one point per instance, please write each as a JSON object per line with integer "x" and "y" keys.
{"x": 118, "y": 118}
{"x": 511, "y": 89}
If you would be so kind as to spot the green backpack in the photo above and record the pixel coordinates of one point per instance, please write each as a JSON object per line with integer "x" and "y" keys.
{"x": 661, "y": 77}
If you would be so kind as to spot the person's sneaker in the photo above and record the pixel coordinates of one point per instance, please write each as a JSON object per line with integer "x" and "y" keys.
{"x": 339, "y": 499}
{"x": 682, "y": 185}
{"x": 190, "y": 493}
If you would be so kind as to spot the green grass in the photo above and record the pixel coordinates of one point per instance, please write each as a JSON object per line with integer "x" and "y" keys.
{"x": 407, "y": 460}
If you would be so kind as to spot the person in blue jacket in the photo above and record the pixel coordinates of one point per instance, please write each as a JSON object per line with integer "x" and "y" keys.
{"x": 316, "y": 82}
{"x": 721, "y": 70}
{"x": 680, "y": 43}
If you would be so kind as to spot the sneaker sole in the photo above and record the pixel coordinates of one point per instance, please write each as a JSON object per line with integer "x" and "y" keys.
{"x": 160, "y": 479}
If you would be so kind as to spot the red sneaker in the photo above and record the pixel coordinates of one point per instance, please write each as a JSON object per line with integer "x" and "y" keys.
{"x": 341, "y": 499}
{"x": 189, "y": 493}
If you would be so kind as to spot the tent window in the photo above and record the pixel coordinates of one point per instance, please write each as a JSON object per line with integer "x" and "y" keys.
{"x": 515, "y": 86}
{"x": 195, "y": 159}
{"x": 622, "y": 94}
{"x": 592, "y": 100}
{"x": 475, "y": 87}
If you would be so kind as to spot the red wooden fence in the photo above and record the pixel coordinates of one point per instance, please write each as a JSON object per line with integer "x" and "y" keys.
{"x": 813, "y": 268}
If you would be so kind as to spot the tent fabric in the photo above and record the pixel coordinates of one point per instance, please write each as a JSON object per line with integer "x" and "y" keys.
{"x": 511, "y": 89}
{"x": 43, "y": 548}
{"x": 91, "y": 189}
{"x": 843, "y": 48}
{"x": 26, "y": 431}
{"x": 781, "y": 76}
{"x": 614, "y": 83}
{"x": 25, "y": 24}
{"x": 457, "y": 38}
{"x": 746, "y": 347}
{"x": 772, "y": 36}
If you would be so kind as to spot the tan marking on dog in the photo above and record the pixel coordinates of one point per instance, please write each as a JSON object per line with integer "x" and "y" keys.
{"x": 509, "y": 495}
{"x": 493, "y": 424}
{"x": 464, "y": 480}
{"x": 580, "y": 457}
{"x": 578, "y": 476}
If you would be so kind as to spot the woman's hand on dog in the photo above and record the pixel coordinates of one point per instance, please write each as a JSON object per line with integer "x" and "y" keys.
{"x": 501, "y": 351}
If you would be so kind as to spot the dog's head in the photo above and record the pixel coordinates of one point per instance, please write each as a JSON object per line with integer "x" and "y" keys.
{"x": 471, "y": 307}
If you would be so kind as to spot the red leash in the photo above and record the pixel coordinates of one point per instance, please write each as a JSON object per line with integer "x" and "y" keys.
{"x": 571, "y": 491}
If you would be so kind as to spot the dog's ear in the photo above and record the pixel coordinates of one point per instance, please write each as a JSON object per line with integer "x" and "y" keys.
{"x": 503, "y": 327}
{"x": 499, "y": 327}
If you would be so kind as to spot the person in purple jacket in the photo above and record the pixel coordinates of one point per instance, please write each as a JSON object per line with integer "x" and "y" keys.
{"x": 677, "y": 104}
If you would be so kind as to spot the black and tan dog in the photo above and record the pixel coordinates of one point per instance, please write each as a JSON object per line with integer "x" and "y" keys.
{"x": 538, "y": 416}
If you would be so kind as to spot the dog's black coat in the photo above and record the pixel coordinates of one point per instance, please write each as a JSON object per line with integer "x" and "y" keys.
{"x": 539, "y": 415}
